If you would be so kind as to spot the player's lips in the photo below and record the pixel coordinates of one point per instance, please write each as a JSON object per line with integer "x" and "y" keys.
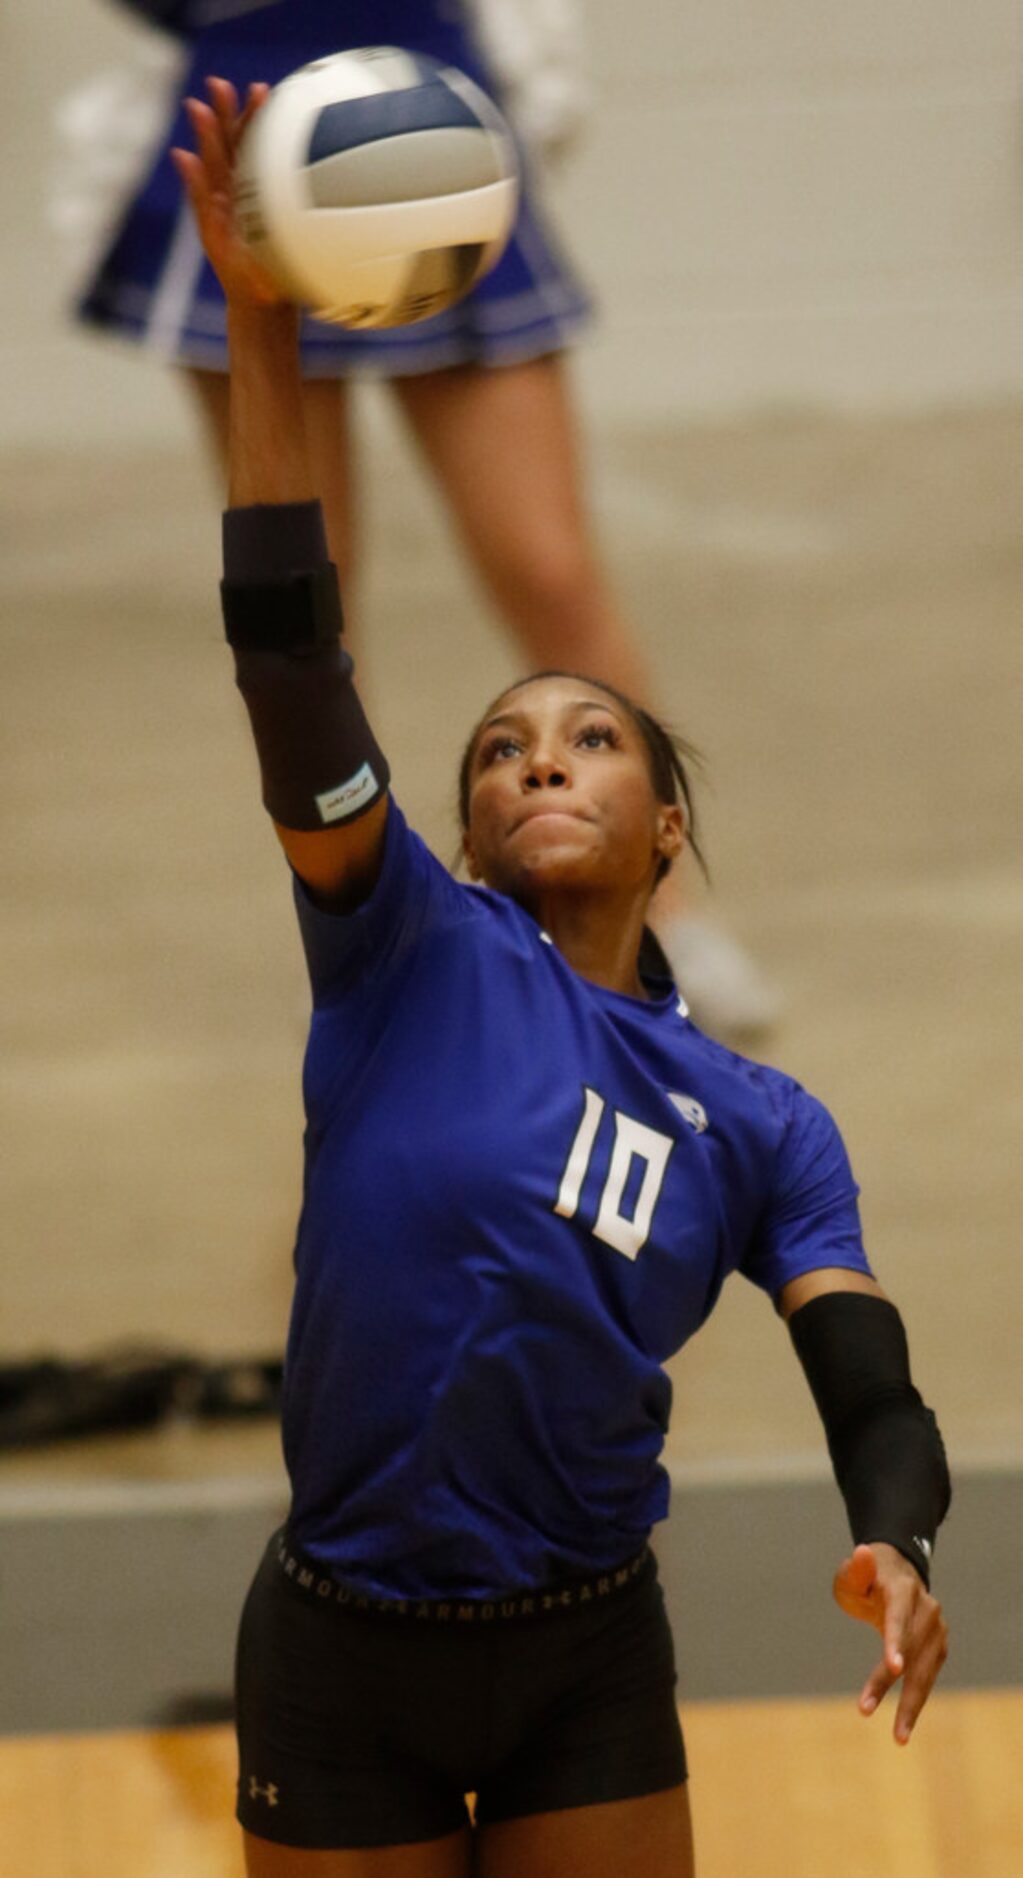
{"x": 547, "y": 812}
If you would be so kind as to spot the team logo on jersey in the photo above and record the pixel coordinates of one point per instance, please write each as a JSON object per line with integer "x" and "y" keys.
{"x": 690, "y": 1110}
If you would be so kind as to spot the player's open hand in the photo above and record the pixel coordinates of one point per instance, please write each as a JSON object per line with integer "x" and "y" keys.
{"x": 208, "y": 175}
{"x": 881, "y": 1588}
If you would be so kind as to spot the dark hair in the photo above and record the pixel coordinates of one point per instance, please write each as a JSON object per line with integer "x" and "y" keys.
{"x": 667, "y": 753}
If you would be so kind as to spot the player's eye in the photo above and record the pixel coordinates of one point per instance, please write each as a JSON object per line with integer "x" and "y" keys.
{"x": 496, "y": 748}
{"x": 596, "y": 734}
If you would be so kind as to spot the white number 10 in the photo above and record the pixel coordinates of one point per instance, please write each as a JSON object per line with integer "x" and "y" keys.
{"x": 633, "y": 1140}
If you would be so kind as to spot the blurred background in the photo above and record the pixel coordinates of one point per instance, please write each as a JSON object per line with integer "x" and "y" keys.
{"x": 803, "y": 402}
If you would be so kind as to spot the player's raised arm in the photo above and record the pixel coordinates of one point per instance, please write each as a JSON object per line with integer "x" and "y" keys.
{"x": 890, "y": 1464}
{"x": 324, "y": 776}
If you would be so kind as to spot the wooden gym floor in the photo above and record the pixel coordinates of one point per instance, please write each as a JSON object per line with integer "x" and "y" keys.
{"x": 779, "y": 1790}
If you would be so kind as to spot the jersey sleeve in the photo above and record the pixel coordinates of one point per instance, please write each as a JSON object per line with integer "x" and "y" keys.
{"x": 811, "y": 1218}
{"x": 414, "y": 897}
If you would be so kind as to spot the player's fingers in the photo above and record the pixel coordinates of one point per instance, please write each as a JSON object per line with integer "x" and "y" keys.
{"x": 854, "y": 1586}
{"x": 204, "y": 129}
{"x": 229, "y": 112}
{"x": 258, "y": 95}
{"x": 858, "y": 1574}
{"x": 209, "y": 140}
{"x": 189, "y": 169}
{"x": 193, "y": 108}
{"x": 212, "y": 209}
{"x": 224, "y": 100}
{"x": 920, "y": 1678}
{"x": 863, "y": 1569}
{"x": 876, "y": 1687}
{"x": 192, "y": 172}
{"x": 900, "y": 1604}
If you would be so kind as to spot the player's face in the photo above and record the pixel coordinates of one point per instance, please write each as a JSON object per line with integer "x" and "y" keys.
{"x": 561, "y": 798}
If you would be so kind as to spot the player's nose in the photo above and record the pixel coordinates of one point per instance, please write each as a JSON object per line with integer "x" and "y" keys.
{"x": 545, "y": 770}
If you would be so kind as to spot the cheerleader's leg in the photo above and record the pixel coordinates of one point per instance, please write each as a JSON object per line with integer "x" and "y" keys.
{"x": 503, "y": 445}
{"x": 501, "y": 442}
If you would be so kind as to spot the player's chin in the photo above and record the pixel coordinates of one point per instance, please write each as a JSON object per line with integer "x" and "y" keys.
{"x": 548, "y": 853}
{"x": 555, "y": 846}
{"x": 557, "y": 871}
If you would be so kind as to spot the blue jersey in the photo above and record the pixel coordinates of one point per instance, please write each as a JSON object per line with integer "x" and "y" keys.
{"x": 523, "y": 1193}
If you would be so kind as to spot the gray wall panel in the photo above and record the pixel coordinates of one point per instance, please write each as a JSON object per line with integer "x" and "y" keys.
{"x": 121, "y": 1617}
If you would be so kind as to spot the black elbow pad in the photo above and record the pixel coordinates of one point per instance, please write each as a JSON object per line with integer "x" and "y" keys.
{"x": 319, "y": 760}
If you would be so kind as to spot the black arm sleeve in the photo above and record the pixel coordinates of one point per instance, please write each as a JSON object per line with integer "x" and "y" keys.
{"x": 885, "y": 1446}
{"x": 319, "y": 760}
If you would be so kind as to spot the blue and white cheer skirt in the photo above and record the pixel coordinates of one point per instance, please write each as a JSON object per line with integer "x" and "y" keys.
{"x": 154, "y": 284}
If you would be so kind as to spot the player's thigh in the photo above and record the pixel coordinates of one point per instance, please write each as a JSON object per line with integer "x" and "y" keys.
{"x": 649, "y": 1837}
{"x": 450, "y": 1857}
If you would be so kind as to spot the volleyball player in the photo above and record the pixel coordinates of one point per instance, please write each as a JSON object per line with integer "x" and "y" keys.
{"x": 527, "y": 1178}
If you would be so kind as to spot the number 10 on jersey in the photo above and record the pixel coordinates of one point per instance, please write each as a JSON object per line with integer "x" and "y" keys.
{"x": 632, "y": 1141}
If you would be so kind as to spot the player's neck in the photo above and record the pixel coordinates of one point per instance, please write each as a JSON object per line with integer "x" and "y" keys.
{"x": 599, "y": 939}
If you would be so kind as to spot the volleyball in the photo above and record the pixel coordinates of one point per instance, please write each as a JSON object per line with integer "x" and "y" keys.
{"x": 377, "y": 186}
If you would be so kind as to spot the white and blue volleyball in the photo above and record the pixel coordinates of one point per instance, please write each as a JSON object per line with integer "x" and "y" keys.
{"x": 377, "y": 186}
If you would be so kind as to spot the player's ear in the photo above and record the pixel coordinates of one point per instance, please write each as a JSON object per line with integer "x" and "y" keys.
{"x": 671, "y": 830}
{"x": 472, "y": 866}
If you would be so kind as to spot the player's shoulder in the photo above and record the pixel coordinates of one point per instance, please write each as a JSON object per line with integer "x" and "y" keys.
{"x": 439, "y": 907}
{"x": 749, "y": 1093}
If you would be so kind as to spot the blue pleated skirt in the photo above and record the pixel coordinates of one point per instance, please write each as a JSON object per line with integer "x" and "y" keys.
{"x": 154, "y": 284}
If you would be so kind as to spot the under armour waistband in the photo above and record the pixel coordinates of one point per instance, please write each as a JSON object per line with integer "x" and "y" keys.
{"x": 309, "y": 1579}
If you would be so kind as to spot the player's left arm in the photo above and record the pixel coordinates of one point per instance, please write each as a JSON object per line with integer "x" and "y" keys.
{"x": 889, "y": 1460}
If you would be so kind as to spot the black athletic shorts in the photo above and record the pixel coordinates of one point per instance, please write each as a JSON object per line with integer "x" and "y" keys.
{"x": 367, "y": 1724}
